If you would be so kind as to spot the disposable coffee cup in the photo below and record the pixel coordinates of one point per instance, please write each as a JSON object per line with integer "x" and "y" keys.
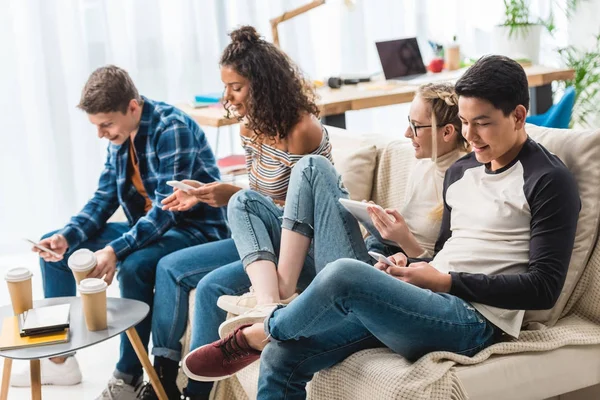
{"x": 93, "y": 298}
{"x": 19, "y": 287}
{"x": 82, "y": 262}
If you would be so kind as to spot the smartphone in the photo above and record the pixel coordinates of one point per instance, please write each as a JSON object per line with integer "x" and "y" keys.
{"x": 42, "y": 248}
{"x": 181, "y": 185}
{"x": 381, "y": 258}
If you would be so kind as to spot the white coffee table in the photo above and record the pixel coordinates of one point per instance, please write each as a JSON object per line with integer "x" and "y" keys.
{"x": 123, "y": 316}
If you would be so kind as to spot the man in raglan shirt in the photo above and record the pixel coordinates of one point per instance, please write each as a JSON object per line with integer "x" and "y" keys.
{"x": 150, "y": 143}
{"x": 510, "y": 216}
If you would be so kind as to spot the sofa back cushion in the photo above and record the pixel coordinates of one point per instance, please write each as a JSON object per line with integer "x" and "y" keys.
{"x": 579, "y": 150}
{"x": 357, "y": 170}
{"x": 355, "y": 156}
{"x": 395, "y": 163}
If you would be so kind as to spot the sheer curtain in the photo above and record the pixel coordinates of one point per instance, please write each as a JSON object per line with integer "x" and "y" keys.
{"x": 51, "y": 156}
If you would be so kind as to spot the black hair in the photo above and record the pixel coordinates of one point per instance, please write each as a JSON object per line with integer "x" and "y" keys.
{"x": 497, "y": 79}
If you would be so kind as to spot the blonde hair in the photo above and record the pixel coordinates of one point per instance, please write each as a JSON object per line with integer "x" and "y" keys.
{"x": 444, "y": 108}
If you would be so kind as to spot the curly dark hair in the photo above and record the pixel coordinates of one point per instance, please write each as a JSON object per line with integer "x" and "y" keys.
{"x": 279, "y": 94}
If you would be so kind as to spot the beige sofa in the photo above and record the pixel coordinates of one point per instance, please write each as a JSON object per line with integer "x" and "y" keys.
{"x": 376, "y": 167}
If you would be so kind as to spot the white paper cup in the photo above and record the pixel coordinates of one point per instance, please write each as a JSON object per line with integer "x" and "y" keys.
{"x": 82, "y": 262}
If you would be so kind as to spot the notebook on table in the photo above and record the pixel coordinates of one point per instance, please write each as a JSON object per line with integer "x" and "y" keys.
{"x": 43, "y": 320}
{"x": 10, "y": 337}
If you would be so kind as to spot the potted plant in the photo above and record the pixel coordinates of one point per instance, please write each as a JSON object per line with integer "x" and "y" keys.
{"x": 518, "y": 36}
{"x": 586, "y": 64}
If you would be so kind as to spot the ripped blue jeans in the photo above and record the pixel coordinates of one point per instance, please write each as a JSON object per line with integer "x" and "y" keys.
{"x": 312, "y": 209}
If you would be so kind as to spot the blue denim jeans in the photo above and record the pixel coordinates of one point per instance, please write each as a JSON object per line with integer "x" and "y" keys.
{"x": 176, "y": 275}
{"x": 351, "y": 306}
{"x": 311, "y": 209}
{"x": 136, "y": 276}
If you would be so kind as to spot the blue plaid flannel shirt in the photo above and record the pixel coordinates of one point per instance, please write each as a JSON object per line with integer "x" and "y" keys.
{"x": 169, "y": 146}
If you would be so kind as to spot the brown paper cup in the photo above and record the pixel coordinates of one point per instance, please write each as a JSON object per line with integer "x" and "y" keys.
{"x": 19, "y": 287}
{"x": 81, "y": 275}
{"x": 93, "y": 298}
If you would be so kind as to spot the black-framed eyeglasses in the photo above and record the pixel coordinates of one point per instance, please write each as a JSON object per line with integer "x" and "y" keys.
{"x": 415, "y": 128}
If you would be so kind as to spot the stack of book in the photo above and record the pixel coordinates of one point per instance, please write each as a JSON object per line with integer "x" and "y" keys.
{"x": 36, "y": 327}
{"x": 232, "y": 165}
{"x": 206, "y": 100}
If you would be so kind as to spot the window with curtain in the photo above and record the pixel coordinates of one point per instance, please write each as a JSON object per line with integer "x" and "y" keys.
{"x": 51, "y": 156}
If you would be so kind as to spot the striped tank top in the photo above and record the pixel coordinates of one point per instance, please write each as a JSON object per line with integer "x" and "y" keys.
{"x": 269, "y": 168}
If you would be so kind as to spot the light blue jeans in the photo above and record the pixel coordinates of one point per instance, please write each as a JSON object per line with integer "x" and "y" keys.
{"x": 351, "y": 306}
{"x": 311, "y": 209}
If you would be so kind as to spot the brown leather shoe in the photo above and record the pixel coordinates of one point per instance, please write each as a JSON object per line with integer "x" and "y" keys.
{"x": 221, "y": 359}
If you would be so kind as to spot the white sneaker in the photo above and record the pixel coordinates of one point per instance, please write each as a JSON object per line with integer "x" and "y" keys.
{"x": 65, "y": 374}
{"x": 117, "y": 389}
{"x": 254, "y": 316}
{"x": 239, "y": 305}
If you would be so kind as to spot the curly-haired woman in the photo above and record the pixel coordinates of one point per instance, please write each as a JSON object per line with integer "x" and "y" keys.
{"x": 279, "y": 125}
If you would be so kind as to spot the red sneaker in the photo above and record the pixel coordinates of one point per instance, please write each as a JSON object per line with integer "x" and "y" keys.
{"x": 221, "y": 359}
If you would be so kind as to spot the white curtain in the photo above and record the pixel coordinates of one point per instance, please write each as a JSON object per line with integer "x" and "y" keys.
{"x": 51, "y": 158}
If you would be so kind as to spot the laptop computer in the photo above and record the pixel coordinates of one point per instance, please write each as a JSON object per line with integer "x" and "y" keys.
{"x": 401, "y": 59}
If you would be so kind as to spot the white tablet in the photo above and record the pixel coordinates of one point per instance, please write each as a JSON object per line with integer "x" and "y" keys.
{"x": 359, "y": 210}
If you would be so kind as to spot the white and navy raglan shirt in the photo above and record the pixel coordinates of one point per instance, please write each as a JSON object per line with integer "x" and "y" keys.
{"x": 507, "y": 235}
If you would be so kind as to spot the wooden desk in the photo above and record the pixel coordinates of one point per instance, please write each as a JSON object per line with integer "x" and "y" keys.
{"x": 335, "y": 102}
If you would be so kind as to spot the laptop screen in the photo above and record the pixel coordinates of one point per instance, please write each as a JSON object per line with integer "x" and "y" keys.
{"x": 400, "y": 58}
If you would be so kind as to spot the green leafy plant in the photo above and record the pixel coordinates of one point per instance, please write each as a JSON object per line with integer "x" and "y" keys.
{"x": 586, "y": 64}
{"x": 518, "y": 18}
{"x": 516, "y": 15}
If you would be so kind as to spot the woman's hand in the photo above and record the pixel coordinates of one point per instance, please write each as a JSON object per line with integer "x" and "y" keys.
{"x": 215, "y": 194}
{"x": 180, "y": 200}
{"x": 391, "y": 226}
{"x": 389, "y": 223}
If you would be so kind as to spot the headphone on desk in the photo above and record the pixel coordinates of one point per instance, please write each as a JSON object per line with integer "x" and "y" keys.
{"x": 336, "y": 82}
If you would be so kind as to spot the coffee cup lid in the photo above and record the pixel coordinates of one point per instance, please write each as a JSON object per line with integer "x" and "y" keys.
{"x": 82, "y": 260}
{"x": 92, "y": 285}
{"x": 18, "y": 274}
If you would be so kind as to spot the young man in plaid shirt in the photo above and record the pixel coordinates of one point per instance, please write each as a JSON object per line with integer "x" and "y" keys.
{"x": 150, "y": 143}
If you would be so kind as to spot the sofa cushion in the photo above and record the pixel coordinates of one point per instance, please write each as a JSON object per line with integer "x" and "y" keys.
{"x": 532, "y": 375}
{"x": 393, "y": 171}
{"x": 580, "y": 151}
{"x": 355, "y": 157}
{"x": 357, "y": 170}
{"x": 514, "y": 376}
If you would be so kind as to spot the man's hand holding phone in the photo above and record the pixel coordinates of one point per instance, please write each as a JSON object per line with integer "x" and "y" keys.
{"x": 423, "y": 275}
{"x": 56, "y": 244}
{"x": 384, "y": 264}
